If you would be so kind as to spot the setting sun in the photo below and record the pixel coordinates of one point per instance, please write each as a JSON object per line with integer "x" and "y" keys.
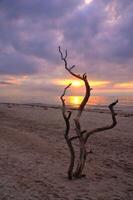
{"x": 75, "y": 100}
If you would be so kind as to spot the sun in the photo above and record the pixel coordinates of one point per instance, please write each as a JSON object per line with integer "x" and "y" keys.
{"x": 75, "y": 100}
{"x": 88, "y": 1}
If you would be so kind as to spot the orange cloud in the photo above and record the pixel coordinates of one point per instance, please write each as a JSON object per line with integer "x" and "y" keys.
{"x": 126, "y": 85}
{"x": 75, "y": 83}
{"x": 80, "y": 83}
{"x": 17, "y": 80}
{"x": 12, "y": 80}
{"x": 99, "y": 83}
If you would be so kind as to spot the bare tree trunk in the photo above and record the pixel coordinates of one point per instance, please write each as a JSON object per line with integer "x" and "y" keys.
{"x": 72, "y": 159}
{"x": 81, "y": 162}
{"x": 82, "y": 136}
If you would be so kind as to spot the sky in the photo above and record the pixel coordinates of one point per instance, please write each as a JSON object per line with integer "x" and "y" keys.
{"x": 98, "y": 35}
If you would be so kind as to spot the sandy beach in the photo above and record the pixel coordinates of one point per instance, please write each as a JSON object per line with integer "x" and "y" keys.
{"x": 34, "y": 156}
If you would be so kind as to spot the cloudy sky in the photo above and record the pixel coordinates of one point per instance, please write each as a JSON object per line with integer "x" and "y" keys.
{"x": 98, "y": 35}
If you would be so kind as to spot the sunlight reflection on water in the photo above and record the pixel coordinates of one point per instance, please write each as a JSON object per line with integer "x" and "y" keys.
{"x": 74, "y": 101}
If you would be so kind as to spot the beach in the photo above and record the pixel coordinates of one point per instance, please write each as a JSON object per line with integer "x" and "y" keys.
{"x": 34, "y": 156}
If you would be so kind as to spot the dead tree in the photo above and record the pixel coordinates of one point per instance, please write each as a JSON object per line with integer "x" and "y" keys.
{"x": 81, "y": 135}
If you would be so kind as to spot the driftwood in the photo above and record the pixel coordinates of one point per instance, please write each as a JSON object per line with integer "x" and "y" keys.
{"x": 81, "y": 135}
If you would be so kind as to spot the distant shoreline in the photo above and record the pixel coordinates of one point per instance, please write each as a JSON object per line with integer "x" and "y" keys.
{"x": 126, "y": 111}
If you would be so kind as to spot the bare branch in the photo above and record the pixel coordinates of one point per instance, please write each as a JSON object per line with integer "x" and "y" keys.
{"x": 65, "y": 89}
{"x": 66, "y": 116}
{"x": 114, "y": 122}
{"x": 86, "y": 97}
{"x": 84, "y": 131}
{"x": 69, "y": 114}
{"x": 66, "y": 64}
{"x": 73, "y": 138}
{"x": 83, "y": 78}
{"x": 76, "y": 137}
{"x": 63, "y": 94}
{"x": 72, "y": 67}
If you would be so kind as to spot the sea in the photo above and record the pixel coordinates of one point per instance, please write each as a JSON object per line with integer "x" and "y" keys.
{"x": 125, "y": 103}
{"x": 101, "y": 100}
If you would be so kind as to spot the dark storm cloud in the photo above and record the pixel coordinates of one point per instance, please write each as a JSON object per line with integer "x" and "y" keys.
{"x": 99, "y": 35}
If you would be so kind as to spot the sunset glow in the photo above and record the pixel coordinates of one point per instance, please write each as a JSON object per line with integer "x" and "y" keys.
{"x": 75, "y": 83}
{"x": 93, "y": 100}
{"x": 80, "y": 83}
{"x": 12, "y": 80}
{"x": 99, "y": 83}
{"x": 74, "y": 100}
{"x": 31, "y": 64}
{"x": 127, "y": 85}
{"x": 17, "y": 80}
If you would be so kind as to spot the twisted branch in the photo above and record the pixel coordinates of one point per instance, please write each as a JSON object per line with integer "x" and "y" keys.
{"x": 67, "y": 116}
{"x": 114, "y": 122}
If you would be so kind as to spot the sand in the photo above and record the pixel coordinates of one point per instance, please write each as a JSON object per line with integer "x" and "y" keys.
{"x": 34, "y": 156}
